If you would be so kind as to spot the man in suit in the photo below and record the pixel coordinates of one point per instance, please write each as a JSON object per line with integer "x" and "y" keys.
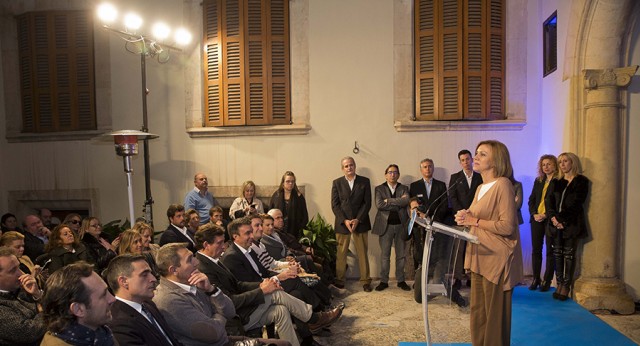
{"x": 431, "y": 194}
{"x": 350, "y": 203}
{"x": 177, "y": 231}
{"x": 390, "y": 225}
{"x": 136, "y": 319}
{"x": 461, "y": 195}
{"x": 36, "y": 236}
{"x": 257, "y": 303}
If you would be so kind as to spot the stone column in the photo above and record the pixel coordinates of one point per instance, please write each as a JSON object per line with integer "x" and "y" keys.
{"x": 599, "y": 286}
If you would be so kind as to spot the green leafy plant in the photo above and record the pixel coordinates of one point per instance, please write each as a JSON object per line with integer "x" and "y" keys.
{"x": 321, "y": 237}
{"x": 114, "y": 228}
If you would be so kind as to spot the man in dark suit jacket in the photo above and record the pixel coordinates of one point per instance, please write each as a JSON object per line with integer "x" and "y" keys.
{"x": 466, "y": 183}
{"x": 136, "y": 319}
{"x": 390, "y": 224}
{"x": 257, "y": 303}
{"x": 351, "y": 202}
{"x": 177, "y": 230}
{"x": 431, "y": 194}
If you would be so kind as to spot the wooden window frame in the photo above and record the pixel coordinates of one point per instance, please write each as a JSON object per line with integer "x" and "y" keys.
{"x": 246, "y": 63}
{"x": 56, "y": 66}
{"x": 550, "y": 44}
{"x": 442, "y": 49}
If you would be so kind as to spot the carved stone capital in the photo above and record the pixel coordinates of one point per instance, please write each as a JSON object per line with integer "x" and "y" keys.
{"x": 611, "y": 77}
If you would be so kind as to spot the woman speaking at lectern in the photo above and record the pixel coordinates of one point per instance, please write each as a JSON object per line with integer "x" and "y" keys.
{"x": 496, "y": 262}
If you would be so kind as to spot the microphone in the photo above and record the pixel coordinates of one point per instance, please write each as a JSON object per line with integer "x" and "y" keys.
{"x": 461, "y": 179}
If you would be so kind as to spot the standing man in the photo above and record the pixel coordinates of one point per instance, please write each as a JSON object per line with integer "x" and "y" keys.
{"x": 200, "y": 198}
{"x": 431, "y": 194}
{"x": 177, "y": 231}
{"x": 390, "y": 224}
{"x": 350, "y": 202}
{"x": 136, "y": 319}
{"x": 466, "y": 182}
{"x": 77, "y": 307}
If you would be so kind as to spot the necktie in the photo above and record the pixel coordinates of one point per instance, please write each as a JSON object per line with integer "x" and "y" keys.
{"x": 154, "y": 323}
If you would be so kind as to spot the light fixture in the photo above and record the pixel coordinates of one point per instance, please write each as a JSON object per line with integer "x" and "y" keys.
{"x": 160, "y": 31}
{"x": 132, "y": 22}
{"x": 107, "y": 13}
{"x": 146, "y": 47}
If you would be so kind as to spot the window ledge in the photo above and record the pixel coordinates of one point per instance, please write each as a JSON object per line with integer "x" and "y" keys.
{"x": 266, "y": 130}
{"x": 20, "y": 137}
{"x": 493, "y": 125}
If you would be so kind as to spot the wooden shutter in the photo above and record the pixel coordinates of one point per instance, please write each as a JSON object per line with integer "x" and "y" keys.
{"x": 57, "y": 71}
{"x": 496, "y": 45}
{"x": 459, "y": 55}
{"x": 247, "y": 62}
{"x": 233, "y": 62}
{"x": 214, "y": 100}
{"x": 278, "y": 62}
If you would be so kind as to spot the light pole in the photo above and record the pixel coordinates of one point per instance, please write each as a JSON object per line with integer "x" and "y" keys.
{"x": 146, "y": 47}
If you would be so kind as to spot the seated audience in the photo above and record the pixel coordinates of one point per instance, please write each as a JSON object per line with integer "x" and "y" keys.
{"x": 258, "y": 303}
{"x": 136, "y": 319}
{"x": 292, "y": 203}
{"x": 99, "y": 249}
{"x": 73, "y": 221}
{"x": 77, "y": 307}
{"x": 20, "y": 322}
{"x": 36, "y": 236}
{"x": 245, "y": 265}
{"x": 247, "y": 204}
{"x": 177, "y": 231}
{"x": 64, "y": 248}
{"x": 9, "y": 222}
{"x": 149, "y": 249}
{"x": 192, "y": 221}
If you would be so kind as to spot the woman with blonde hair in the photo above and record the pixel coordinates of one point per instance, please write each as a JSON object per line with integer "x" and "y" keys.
{"x": 98, "y": 247}
{"x": 149, "y": 249}
{"x": 565, "y": 209}
{"x": 247, "y": 204}
{"x": 15, "y": 241}
{"x": 130, "y": 243}
{"x": 495, "y": 262}
{"x": 547, "y": 170}
{"x": 292, "y": 204}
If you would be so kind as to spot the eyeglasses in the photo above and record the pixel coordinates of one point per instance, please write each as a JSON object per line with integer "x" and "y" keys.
{"x": 393, "y": 172}
{"x": 75, "y": 222}
{"x": 96, "y": 226}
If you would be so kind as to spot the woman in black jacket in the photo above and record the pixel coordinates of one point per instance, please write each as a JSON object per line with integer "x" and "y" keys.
{"x": 547, "y": 170}
{"x": 565, "y": 209}
{"x": 292, "y": 204}
{"x": 99, "y": 249}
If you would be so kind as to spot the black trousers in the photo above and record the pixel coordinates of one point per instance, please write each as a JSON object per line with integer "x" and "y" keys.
{"x": 538, "y": 238}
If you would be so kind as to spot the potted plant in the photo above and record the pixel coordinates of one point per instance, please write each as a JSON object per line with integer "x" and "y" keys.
{"x": 321, "y": 237}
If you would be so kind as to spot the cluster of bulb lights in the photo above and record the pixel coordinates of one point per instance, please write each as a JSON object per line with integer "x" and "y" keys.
{"x": 133, "y": 22}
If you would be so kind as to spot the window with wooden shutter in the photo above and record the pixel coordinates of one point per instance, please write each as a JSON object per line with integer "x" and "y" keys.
{"x": 56, "y": 62}
{"x": 459, "y": 59}
{"x": 246, "y": 62}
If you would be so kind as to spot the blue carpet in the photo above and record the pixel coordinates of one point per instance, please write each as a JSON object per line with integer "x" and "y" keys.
{"x": 538, "y": 319}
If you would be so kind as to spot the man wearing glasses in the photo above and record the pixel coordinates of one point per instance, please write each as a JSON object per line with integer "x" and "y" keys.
{"x": 390, "y": 224}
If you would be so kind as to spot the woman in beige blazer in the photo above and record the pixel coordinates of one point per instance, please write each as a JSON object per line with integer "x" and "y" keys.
{"x": 496, "y": 262}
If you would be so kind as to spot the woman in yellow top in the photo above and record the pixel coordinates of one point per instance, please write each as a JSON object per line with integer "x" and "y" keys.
{"x": 496, "y": 262}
